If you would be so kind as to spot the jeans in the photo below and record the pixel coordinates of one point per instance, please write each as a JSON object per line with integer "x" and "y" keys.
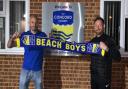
{"x": 27, "y": 75}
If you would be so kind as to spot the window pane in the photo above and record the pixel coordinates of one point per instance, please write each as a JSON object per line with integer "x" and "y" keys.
{"x": 112, "y": 19}
{"x": 2, "y": 32}
{"x": 17, "y": 12}
{"x": 126, "y": 34}
{"x": 1, "y": 5}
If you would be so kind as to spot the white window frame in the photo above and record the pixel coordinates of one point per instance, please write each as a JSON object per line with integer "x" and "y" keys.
{"x": 14, "y": 51}
{"x": 122, "y": 22}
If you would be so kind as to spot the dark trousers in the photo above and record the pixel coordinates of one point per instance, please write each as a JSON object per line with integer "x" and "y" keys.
{"x": 99, "y": 81}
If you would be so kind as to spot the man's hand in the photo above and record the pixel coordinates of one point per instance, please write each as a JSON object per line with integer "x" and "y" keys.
{"x": 15, "y": 35}
{"x": 11, "y": 43}
{"x": 103, "y": 46}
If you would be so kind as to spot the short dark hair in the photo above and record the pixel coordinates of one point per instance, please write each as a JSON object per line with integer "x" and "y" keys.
{"x": 99, "y": 18}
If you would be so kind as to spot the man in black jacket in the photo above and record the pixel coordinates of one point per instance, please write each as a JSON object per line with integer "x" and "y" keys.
{"x": 101, "y": 66}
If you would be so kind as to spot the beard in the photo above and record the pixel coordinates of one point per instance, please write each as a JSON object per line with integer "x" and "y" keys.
{"x": 99, "y": 32}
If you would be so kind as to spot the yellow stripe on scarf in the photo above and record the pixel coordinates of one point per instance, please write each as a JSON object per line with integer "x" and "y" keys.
{"x": 18, "y": 42}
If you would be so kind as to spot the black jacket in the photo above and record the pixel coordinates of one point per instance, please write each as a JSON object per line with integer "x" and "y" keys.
{"x": 102, "y": 65}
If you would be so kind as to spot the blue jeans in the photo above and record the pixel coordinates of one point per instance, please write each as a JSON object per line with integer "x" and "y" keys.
{"x": 27, "y": 75}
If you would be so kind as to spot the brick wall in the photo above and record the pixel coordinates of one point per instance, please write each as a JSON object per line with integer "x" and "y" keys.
{"x": 67, "y": 73}
{"x": 63, "y": 72}
{"x": 9, "y": 71}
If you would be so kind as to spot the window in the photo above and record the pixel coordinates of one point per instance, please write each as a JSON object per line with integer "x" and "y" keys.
{"x": 17, "y": 12}
{"x": 2, "y": 33}
{"x": 113, "y": 12}
{"x": 12, "y": 19}
{"x": 126, "y": 34}
{"x": 2, "y": 6}
{"x": 112, "y": 21}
